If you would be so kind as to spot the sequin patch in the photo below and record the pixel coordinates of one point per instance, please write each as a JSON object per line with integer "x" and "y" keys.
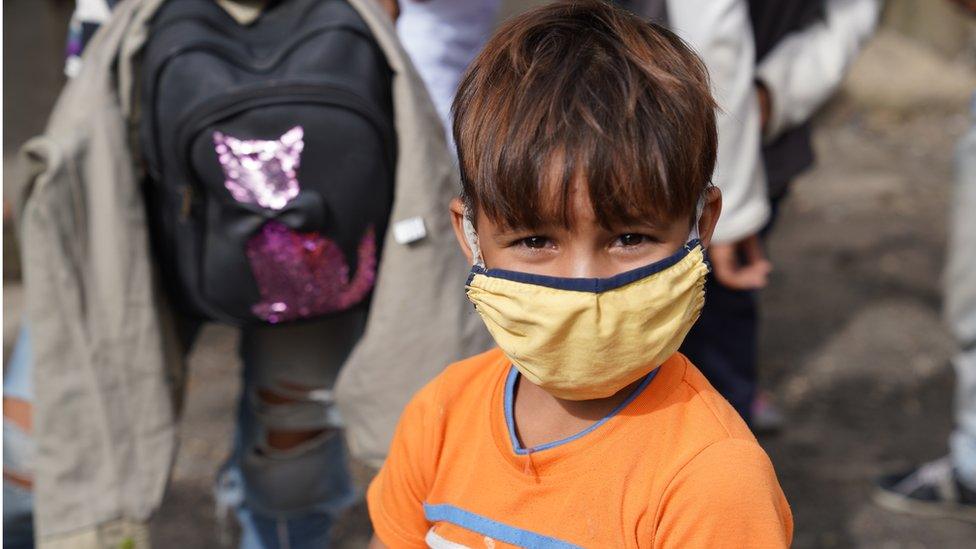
{"x": 261, "y": 172}
{"x": 298, "y": 274}
{"x": 301, "y": 275}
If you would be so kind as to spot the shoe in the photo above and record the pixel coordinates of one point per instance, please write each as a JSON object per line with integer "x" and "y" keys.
{"x": 767, "y": 419}
{"x": 931, "y": 490}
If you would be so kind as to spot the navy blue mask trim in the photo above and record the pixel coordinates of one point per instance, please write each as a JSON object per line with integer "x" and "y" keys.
{"x": 592, "y": 285}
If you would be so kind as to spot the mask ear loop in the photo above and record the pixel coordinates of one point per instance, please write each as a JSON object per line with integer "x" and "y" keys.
{"x": 471, "y": 235}
{"x": 694, "y": 234}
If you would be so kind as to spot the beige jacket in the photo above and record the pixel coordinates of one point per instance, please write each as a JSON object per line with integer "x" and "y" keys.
{"x": 108, "y": 368}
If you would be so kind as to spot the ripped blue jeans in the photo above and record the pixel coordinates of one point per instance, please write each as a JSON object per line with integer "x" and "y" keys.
{"x": 287, "y": 494}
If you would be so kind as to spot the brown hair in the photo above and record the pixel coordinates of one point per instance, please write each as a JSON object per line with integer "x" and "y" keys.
{"x": 583, "y": 91}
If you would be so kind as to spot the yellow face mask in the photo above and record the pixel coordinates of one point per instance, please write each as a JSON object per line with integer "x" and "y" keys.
{"x": 588, "y": 338}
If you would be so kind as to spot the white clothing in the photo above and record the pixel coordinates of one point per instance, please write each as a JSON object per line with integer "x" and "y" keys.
{"x": 806, "y": 67}
{"x": 721, "y": 33}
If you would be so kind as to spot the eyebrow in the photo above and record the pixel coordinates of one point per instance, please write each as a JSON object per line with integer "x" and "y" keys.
{"x": 505, "y": 233}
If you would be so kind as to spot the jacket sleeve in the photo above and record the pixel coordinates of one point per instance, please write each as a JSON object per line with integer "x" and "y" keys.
{"x": 107, "y": 364}
{"x": 104, "y": 414}
{"x": 806, "y": 67}
{"x": 721, "y": 33}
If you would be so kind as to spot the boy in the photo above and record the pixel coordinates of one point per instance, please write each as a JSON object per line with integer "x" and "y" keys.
{"x": 586, "y": 141}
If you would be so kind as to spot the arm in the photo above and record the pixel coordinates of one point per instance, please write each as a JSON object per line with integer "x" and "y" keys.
{"x": 720, "y": 31}
{"x": 396, "y": 496}
{"x": 806, "y": 67}
{"x": 727, "y": 496}
{"x": 392, "y": 7}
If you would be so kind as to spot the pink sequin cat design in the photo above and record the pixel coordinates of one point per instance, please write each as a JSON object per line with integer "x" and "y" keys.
{"x": 299, "y": 275}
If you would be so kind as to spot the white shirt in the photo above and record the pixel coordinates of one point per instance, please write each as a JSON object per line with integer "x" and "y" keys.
{"x": 442, "y": 37}
{"x": 806, "y": 67}
{"x": 721, "y": 33}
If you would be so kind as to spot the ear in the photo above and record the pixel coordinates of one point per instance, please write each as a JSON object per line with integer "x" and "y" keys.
{"x": 293, "y": 140}
{"x": 292, "y": 136}
{"x": 709, "y": 215}
{"x": 457, "y": 220}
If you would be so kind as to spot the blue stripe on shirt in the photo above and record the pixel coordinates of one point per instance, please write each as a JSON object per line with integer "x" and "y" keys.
{"x": 492, "y": 529}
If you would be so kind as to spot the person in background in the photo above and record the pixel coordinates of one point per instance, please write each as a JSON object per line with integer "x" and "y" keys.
{"x": 946, "y": 487}
{"x": 803, "y": 51}
{"x": 86, "y": 19}
{"x": 133, "y": 458}
{"x": 442, "y": 37}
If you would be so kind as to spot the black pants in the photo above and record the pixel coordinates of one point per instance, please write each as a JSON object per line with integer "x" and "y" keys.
{"x": 724, "y": 343}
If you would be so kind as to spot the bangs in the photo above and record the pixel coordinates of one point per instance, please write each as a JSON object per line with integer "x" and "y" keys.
{"x": 624, "y": 188}
{"x": 584, "y": 95}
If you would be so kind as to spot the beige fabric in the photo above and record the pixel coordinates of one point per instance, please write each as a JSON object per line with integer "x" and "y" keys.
{"x": 118, "y": 534}
{"x": 421, "y": 320}
{"x": 107, "y": 368}
{"x": 104, "y": 419}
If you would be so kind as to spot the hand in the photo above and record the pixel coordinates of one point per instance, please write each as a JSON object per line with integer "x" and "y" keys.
{"x": 740, "y": 265}
{"x": 765, "y": 105}
{"x": 968, "y": 5}
{"x": 391, "y": 7}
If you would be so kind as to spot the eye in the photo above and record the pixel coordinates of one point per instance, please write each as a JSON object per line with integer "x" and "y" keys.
{"x": 632, "y": 239}
{"x": 533, "y": 242}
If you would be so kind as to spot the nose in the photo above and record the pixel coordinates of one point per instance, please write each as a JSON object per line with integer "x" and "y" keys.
{"x": 585, "y": 263}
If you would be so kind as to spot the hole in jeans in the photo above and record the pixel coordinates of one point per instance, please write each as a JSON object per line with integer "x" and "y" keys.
{"x": 286, "y": 439}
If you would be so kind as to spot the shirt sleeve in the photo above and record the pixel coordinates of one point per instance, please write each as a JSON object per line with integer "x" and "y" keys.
{"x": 396, "y": 495}
{"x": 726, "y": 496}
{"x": 721, "y": 32}
{"x": 806, "y": 67}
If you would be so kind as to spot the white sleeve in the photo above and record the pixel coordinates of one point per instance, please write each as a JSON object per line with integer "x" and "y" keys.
{"x": 806, "y": 67}
{"x": 721, "y": 33}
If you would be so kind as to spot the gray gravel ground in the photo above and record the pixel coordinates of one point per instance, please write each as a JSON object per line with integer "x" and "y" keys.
{"x": 854, "y": 350}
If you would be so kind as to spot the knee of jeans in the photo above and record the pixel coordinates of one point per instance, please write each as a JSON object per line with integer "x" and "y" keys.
{"x": 309, "y": 476}
{"x": 298, "y": 462}
{"x": 294, "y": 416}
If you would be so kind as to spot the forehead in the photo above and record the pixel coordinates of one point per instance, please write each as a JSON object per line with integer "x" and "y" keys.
{"x": 572, "y": 205}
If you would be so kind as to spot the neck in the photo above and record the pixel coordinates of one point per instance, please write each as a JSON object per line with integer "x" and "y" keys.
{"x": 595, "y": 409}
{"x": 541, "y": 418}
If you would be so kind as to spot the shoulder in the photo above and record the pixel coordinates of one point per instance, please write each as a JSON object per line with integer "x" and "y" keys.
{"x": 471, "y": 375}
{"x": 715, "y": 419}
{"x": 725, "y": 495}
{"x": 706, "y": 437}
{"x": 719, "y": 478}
{"x": 729, "y": 469}
{"x": 462, "y": 380}
{"x": 710, "y": 430}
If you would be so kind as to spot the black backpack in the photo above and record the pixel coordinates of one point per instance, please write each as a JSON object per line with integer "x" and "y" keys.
{"x": 270, "y": 151}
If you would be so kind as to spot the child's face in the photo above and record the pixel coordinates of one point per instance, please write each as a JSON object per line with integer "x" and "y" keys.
{"x": 585, "y": 249}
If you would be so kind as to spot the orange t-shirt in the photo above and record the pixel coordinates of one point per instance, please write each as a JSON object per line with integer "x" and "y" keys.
{"x": 673, "y": 466}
